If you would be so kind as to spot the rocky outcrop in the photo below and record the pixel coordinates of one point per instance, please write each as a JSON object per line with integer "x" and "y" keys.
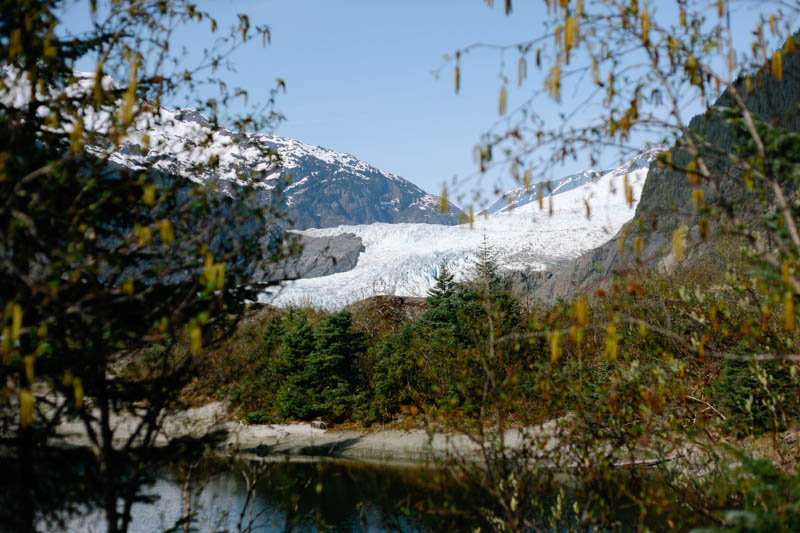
{"x": 666, "y": 200}
{"x": 323, "y": 256}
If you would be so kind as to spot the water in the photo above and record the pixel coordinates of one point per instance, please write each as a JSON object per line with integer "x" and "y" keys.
{"x": 323, "y": 495}
{"x": 308, "y": 496}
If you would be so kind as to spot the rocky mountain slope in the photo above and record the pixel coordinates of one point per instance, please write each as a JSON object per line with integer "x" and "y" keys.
{"x": 666, "y": 201}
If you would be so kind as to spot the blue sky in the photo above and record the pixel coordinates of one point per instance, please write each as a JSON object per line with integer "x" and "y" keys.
{"x": 359, "y": 76}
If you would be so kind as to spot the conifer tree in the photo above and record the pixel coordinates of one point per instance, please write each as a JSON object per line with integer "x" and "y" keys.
{"x": 444, "y": 284}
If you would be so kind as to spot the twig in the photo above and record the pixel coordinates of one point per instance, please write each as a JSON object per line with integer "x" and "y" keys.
{"x": 708, "y": 405}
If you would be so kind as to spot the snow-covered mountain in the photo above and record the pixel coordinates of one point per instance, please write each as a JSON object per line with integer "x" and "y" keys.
{"x": 401, "y": 259}
{"x": 320, "y": 187}
{"x": 325, "y": 188}
{"x": 520, "y": 196}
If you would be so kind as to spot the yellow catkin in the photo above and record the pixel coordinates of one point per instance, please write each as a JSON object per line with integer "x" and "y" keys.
{"x": 570, "y": 32}
{"x": 208, "y": 269}
{"x": 628, "y": 191}
{"x": 144, "y": 235}
{"x": 714, "y": 318}
{"x": 471, "y": 217}
{"x": 128, "y": 287}
{"x": 149, "y": 195}
{"x": 777, "y": 65}
{"x": 16, "y": 321}
{"x": 788, "y": 310}
{"x": 786, "y": 272}
{"x": 219, "y": 276}
{"x": 129, "y": 99}
{"x": 691, "y": 173}
{"x": 443, "y": 202}
{"x": 621, "y": 244}
{"x": 553, "y": 82}
{"x": 98, "y": 84}
{"x": 501, "y": 104}
{"x": 522, "y": 71}
{"x": 720, "y": 8}
{"x": 457, "y": 77}
{"x": 166, "y": 231}
{"x": 611, "y": 342}
{"x": 580, "y": 311}
{"x": 540, "y": 198}
{"x": 76, "y": 136}
{"x": 645, "y": 26}
{"x": 25, "y": 408}
{"x": 555, "y": 346}
{"x": 28, "y": 363}
{"x": 77, "y": 389}
{"x": 699, "y": 199}
{"x": 638, "y": 245}
{"x": 196, "y": 341}
{"x": 702, "y": 226}
{"x": 527, "y": 176}
{"x": 678, "y": 242}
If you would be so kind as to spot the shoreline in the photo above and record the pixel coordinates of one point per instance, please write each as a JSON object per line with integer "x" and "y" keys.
{"x": 302, "y": 441}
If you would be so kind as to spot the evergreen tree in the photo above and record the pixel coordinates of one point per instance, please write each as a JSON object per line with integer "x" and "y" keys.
{"x": 332, "y": 364}
{"x": 293, "y": 356}
{"x": 444, "y": 285}
{"x": 321, "y": 376}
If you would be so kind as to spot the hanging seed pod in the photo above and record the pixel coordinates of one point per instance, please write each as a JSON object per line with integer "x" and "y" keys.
{"x": 16, "y": 321}
{"x": 788, "y": 310}
{"x": 611, "y": 343}
{"x": 166, "y": 231}
{"x": 196, "y": 341}
{"x": 76, "y": 136}
{"x": 457, "y": 78}
{"x": 553, "y": 82}
{"x": 149, "y": 195}
{"x": 555, "y": 346}
{"x": 501, "y": 105}
{"x": 25, "y": 408}
{"x": 580, "y": 311}
{"x": 702, "y": 226}
{"x": 628, "y": 191}
{"x": 570, "y": 35}
{"x": 27, "y": 362}
{"x": 638, "y": 246}
{"x": 699, "y": 199}
{"x": 77, "y": 389}
{"x": 645, "y": 20}
{"x": 777, "y": 65}
{"x": 714, "y": 318}
{"x": 678, "y": 242}
{"x": 144, "y": 235}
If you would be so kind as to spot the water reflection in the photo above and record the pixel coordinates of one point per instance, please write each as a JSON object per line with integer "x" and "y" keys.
{"x": 308, "y": 496}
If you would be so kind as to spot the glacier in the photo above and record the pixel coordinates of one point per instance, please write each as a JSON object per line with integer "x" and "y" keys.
{"x": 402, "y": 259}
